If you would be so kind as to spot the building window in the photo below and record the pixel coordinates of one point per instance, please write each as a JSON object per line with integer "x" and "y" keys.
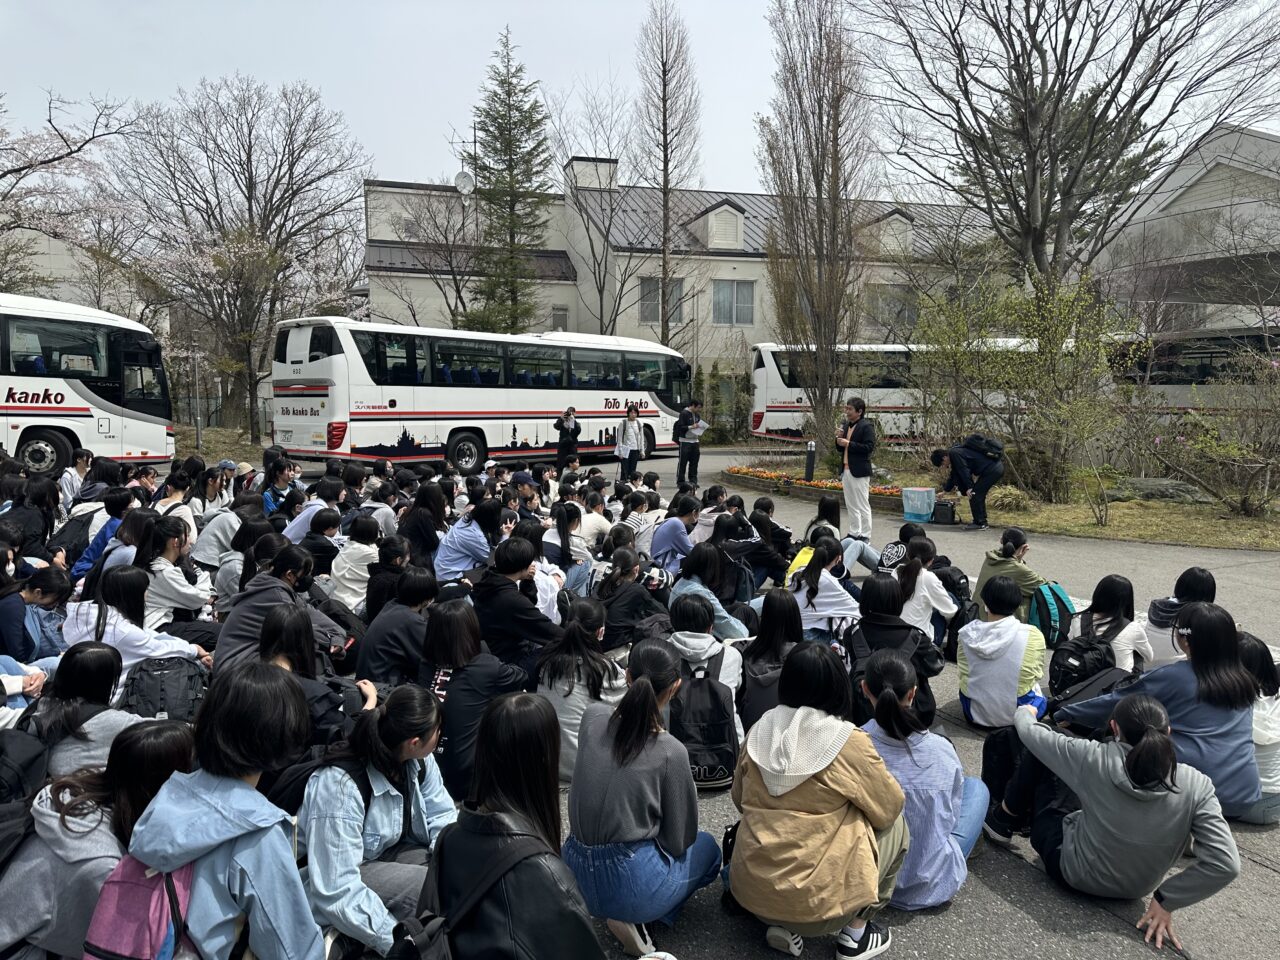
{"x": 733, "y": 302}
{"x": 649, "y": 297}
{"x": 560, "y": 318}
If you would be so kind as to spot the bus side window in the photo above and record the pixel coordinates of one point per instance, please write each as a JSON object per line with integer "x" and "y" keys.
{"x": 52, "y": 348}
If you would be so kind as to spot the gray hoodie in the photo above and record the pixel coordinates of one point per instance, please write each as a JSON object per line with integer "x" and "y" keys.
{"x": 1124, "y": 839}
{"x": 50, "y": 887}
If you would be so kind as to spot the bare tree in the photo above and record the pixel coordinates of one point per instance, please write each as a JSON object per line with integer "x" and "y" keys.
{"x": 244, "y": 196}
{"x": 815, "y": 156}
{"x": 440, "y": 231}
{"x": 595, "y": 127}
{"x": 668, "y": 113}
{"x": 1049, "y": 117}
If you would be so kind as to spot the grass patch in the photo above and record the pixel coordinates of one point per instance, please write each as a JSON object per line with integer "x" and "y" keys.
{"x": 218, "y": 443}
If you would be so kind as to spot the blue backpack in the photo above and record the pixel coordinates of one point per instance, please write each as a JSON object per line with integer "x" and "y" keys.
{"x": 1050, "y": 611}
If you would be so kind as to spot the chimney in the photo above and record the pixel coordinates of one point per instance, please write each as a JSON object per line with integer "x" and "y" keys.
{"x": 598, "y": 173}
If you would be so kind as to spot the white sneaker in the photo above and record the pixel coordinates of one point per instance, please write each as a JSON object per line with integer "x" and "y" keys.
{"x": 784, "y": 941}
{"x": 633, "y": 937}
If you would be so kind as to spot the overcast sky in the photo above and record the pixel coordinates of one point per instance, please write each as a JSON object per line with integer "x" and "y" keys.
{"x": 404, "y": 73}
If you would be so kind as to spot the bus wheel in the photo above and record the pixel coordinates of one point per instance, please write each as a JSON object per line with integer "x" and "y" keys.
{"x": 650, "y": 442}
{"x": 45, "y": 452}
{"x": 467, "y": 451}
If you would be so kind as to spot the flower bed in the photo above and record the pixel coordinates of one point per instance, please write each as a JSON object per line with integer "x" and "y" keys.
{"x": 785, "y": 479}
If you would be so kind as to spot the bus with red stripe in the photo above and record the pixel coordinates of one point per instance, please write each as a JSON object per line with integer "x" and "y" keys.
{"x": 74, "y": 377}
{"x": 366, "y": 391}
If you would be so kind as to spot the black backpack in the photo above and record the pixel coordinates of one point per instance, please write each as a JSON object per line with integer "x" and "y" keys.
{"x": 681, "y": 427}
{"x": 656, "y": 627}
{"x": 1076, "y": 659}
{"x": 73, "y": 537}
{"x": 744, "y": 578}
{"x": 24, "y": 755}
{"x": 426, "y": 937}
{"x": 989, "y": 447}
{"x": 166, "y": 688}
{"x": 702, "y": 718}
{"x": 1095, "y": 686}
{"x": 349, "y": 517}
{"x": 287, "y": 790}
{"x": 758, "y": 692}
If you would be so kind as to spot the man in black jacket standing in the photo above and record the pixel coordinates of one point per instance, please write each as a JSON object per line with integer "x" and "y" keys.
{"x": 688, "y": 434}
{"x": 973, "y": 473}
{"x": 857, "y": 438}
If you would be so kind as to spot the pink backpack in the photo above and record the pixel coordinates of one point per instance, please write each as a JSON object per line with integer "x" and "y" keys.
{"x": 141, "y": 914}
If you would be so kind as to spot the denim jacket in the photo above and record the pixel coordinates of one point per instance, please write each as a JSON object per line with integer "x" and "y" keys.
{"x": 339, "y": 835}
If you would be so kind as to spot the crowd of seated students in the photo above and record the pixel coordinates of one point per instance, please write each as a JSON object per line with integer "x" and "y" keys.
{"x": 392, "y": 709}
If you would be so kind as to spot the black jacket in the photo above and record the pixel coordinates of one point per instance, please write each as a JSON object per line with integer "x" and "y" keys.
{"x": 535, "y": 912}
{"x": 464, "y": 693}
{"x": 568, "y": 442}
{"x": 630, "y": 604}
{"x": 322, "y": 551}
{"x": 383, "y": 580}
{"x": 862, "y": 440}
{"x": 391, "y": 651}
{"x": 329, "y": 720}
{"x": 878, "y": 631}
{"x": 966, "y": 466}
{"x": 511, "y": 623}
{"x": 35, "y": 526}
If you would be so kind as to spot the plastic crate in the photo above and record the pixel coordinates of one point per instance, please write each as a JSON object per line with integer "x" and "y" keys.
{"x": 917, "y": 503}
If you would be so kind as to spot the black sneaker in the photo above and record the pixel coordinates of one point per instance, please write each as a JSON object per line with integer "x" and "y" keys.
{"x": 999, "y": 827}
{"x": 975, "y": 526}
{"x": 874, "y": 941}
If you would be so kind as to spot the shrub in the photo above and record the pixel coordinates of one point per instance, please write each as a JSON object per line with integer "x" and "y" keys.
{"x": 1009, "y": 498}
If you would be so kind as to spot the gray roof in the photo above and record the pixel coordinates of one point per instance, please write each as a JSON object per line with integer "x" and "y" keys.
{"x": 381, "y": 256}
{"x": 636, "y": 213}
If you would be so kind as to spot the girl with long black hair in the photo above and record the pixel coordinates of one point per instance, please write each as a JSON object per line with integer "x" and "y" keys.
{"x": 634, "y": 843}
{"x": 1112, "y": 818}
{"x": 781, "y": 628}
{"x": 367, "y": 858}
{"x": 178, "y": 590}
{"x": 627, "y": 599}
{"x": 574, "y": 672}
{"x": 825, "y": 606}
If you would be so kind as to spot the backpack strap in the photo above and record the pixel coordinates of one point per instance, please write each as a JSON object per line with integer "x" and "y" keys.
{"x": 519, "y": 850}
{"x": 715, "y": 664}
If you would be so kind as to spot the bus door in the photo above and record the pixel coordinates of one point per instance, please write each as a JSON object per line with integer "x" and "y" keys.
{"x": 147, "y": 424}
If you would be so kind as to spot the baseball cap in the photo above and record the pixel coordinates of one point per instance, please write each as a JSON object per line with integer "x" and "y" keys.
{"x": 522, "y": 477}
{"x": 403, "y": 477}
{"x": 226, "y": 464}
{"x": 490, "y": 463}
{"x": 243, "y": 469}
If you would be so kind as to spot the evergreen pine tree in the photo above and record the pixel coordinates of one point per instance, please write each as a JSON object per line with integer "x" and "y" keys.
{"x": 511, "y": 162}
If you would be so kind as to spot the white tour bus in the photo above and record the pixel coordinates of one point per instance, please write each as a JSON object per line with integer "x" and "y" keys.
{"x": 369, "y": 391}
{"x": 76, "y": 377}
{"x": 878, "y": 372}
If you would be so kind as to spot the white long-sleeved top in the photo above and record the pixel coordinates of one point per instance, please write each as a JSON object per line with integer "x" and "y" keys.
{"x": 170, "y": 591}
{"x": 1130, "y": 640}
{"x": 832, "y": 608}
{"x": 928, "y": 596}
{"x": 135, "y": 643}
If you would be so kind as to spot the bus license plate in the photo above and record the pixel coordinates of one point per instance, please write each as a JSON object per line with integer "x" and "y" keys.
{"x": 286, "y": 436}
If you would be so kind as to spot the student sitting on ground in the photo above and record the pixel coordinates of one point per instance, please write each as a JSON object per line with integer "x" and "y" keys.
{"x": 1110, "y": 614}
{"x": 1257, "y": 658}
{"x": 894, "y": 553}
{"x": 1001, "y": 659}
{"x": 762, "y": 657}
{"x": 927, "y": 605}
{"x": 627, "y": 600}
{"x": 512, "y": 625}
{"x": 822, "y": 837}
{"x": 944, "y": 808}
{"x": 465, "y": 677}
{"x": 692, "y": 621}
{"x": 1194, "y": 585}
{"x": 289, "y": 642}
{"x": 826, "y": 608}
{"x": 534, "y": 912}
{"x": 384, "y": 575}
{"x": 634, "y": 844}
{"x": 1110, "y": 819}
{"x": 1010, "y": 560}
{"x": 391, "y": 649}
{"x": 240, "y": 844}
{"x": 367, "y": 863}
{"x": 671, "y": 543}
{"x": 828, "y": 521}
{"x": 226, "y": 582}
{"x": 319, "y": 541}
{"x": 350, "y": 573}
{"x": 83, "y": 825}
{"x": 882, "y": 627}
{"x": 1209, "y": 697}
{"x": 768, "y": 562}
{"x": 177, "y": 591}
{"x": 574, "y": 672}
{"x": 699, "y": 574}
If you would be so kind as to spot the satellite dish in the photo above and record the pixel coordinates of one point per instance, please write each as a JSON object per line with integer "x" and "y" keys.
{"x": 465, "y": 183}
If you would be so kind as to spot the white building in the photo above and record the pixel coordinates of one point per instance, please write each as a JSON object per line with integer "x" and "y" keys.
{"x": 598, "y": 269}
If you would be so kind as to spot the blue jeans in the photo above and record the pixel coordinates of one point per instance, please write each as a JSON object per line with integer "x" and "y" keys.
{"x": 973, "y": 810}
{"x": 1265, "y": 811}
{"x": 638, "y": 882}
{"x": 577, "y": 576}
{"x": 859, "y": 551}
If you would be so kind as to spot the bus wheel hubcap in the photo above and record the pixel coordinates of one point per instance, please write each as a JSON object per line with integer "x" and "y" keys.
{"x": 38, "y": 455}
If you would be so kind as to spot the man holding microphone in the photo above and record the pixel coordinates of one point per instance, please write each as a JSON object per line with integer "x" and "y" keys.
{"x": 857, "y": 438}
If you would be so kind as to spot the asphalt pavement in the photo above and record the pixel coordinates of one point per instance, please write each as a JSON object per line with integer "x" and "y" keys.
{"x": 1008, "y": 908}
